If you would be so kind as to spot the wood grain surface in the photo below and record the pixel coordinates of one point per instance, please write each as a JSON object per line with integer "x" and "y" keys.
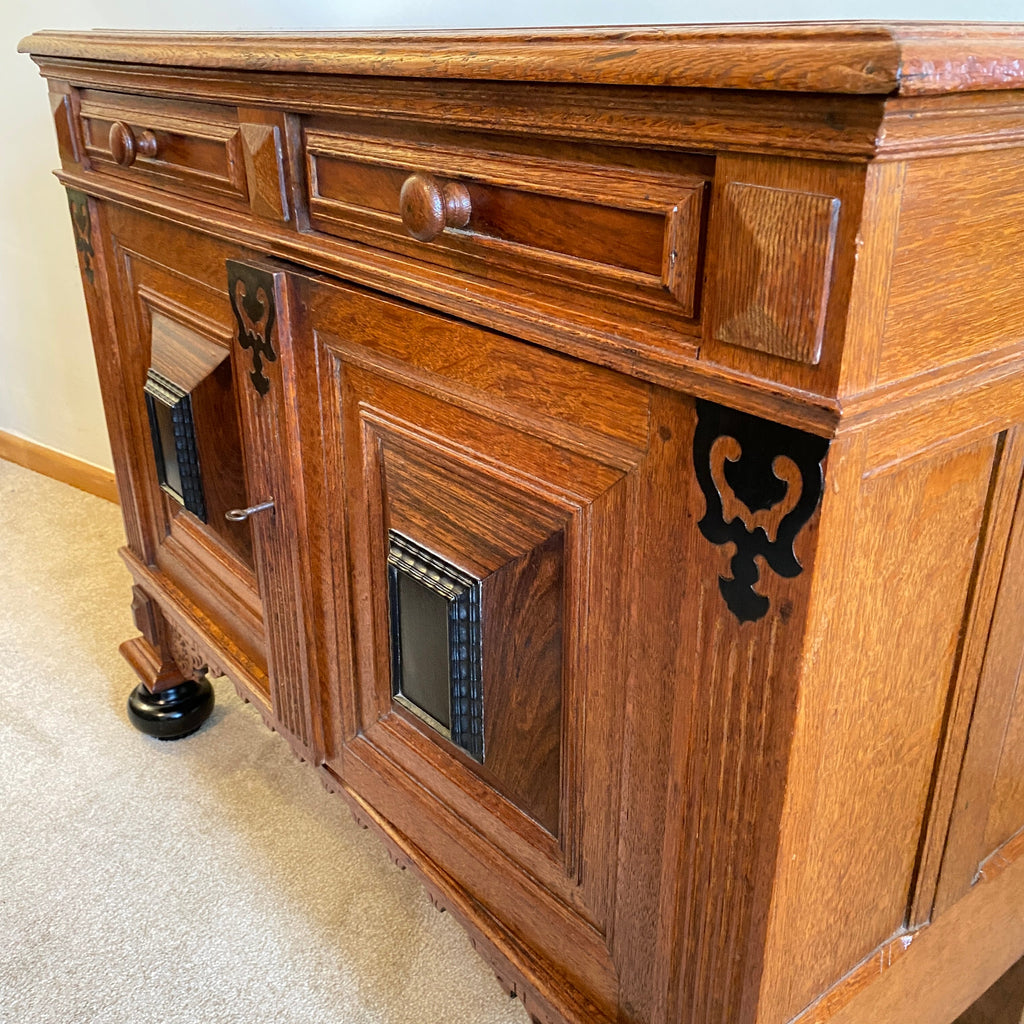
{"x": 688, "y": 808}
{"x": 69, "y": 470}
{"x": 827, "y": 57}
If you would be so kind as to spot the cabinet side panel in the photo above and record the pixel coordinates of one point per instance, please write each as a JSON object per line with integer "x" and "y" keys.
{"x": 1007, "y": 816}
{"x": 956, "y": 280}
{"x": 895, "y": 567}
{"x": 989, "y": 805}
{"x": 981, "y": 671}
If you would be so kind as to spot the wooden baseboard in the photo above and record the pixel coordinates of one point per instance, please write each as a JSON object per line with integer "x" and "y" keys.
{"x": 66, "y": 468}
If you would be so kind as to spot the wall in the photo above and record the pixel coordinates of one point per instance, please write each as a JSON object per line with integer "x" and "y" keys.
{"x": 48, "y": 389}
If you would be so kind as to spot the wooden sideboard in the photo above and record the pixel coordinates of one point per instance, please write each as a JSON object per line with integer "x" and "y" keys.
{"x": 623, "y": 432}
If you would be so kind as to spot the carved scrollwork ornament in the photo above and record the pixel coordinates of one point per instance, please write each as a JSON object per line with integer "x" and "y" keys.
{"x": 191, "y": 660}
{"x": 78, "y": 204}
{"x": 252, "y": 299}
{"x": 762, "y": 482}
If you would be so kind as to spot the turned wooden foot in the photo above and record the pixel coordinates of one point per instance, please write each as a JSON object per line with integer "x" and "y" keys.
{"x": 173, "y": 697}
{"x": 173, "y": 713}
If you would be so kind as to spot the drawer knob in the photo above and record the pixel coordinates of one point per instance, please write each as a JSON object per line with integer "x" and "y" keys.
{"x": 428, "y": 206}
{"x": 125, "y": 146}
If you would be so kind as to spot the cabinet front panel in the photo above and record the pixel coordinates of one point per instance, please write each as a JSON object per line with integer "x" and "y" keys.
{"x": 483, "y": 510}
{"x": 177, "y": 328}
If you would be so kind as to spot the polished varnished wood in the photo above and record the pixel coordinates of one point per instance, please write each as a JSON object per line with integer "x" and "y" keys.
{"x": 125, "y": 146}
{"x": 428, "y": 206}
{"x": 52, "y": 463}
{"x": 697, "y": 356}
{"x": 193, "y": 147}
{"x": 909, "y": 59}
{"x": 777, "y": 309}
{"x": 559, "y": 222}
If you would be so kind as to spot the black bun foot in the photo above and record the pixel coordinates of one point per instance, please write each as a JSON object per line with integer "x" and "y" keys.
{"x": 171, "y": 714}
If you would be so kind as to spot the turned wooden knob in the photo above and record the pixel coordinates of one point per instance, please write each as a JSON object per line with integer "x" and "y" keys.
{"x": 428, "y": 206}
{"x": 125, "y": 146}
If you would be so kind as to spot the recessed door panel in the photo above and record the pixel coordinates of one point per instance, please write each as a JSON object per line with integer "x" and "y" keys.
{"x": 176, "y": 333}
{"x": 473, "y": 515}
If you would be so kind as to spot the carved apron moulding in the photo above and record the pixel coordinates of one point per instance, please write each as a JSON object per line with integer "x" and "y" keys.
{"x": 191, "y": 659}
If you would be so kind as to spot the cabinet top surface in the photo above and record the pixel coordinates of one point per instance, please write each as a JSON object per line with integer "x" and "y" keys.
{"x": 905, "y": 58}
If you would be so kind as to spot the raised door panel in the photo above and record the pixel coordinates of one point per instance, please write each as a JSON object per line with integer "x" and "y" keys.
{"x": 175, "y": 346}
{"x": 479, "y": 502}
{"x": 988, "y": 810}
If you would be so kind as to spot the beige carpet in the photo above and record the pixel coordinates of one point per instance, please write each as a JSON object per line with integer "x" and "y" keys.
{"x": 209, "y": 880}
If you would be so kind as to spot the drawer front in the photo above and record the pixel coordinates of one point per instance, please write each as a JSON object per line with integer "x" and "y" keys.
{"x": 595, "y": 232}
{"x": 190, "y": 148}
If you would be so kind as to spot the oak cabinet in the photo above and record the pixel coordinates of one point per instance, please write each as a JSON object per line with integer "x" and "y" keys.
{"x": 600, "y": 458}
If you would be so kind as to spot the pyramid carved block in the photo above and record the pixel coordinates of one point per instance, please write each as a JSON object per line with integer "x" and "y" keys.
{"x": 774, "y": 269}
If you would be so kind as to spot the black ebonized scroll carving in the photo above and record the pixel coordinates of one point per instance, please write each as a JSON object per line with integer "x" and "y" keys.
{"x": 436, "y": 658}
{"x": 762, "y": 482}
{"x": 78, "y": 203}
{"x": 252, "y": 299}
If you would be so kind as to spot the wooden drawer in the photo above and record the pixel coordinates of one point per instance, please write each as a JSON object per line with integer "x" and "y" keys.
{"x": 190, "y": 148}
{"x": 612, "y": 227}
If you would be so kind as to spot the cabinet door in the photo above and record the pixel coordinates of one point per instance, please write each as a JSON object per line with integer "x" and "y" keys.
{"x": 210, "y": 378}
{"x": 479, "y": 508}
{"x": 182, "y": 439}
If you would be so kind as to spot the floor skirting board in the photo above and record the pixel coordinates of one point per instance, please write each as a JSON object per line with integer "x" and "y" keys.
{"x": 57, "y": 465}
